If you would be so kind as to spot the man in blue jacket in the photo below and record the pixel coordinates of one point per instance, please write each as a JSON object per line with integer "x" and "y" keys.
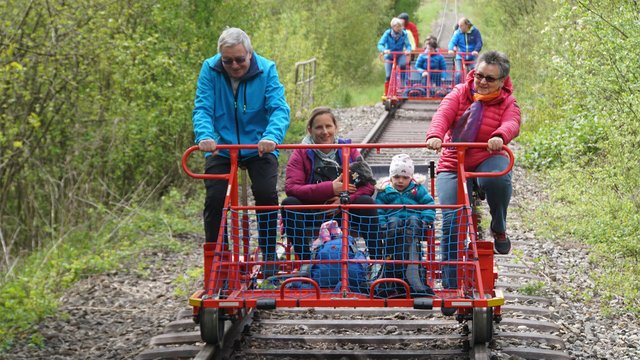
{"x": 240, "y": 100}
{"x": 466, "y": 39}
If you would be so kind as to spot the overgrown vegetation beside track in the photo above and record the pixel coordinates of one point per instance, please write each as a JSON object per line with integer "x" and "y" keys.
{"x": 95, "y": 111}
{"x": 577, "y": 80}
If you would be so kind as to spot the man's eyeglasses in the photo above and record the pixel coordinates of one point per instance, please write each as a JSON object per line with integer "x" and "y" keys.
{"x": 238, "y": 60}
{"x": 489, "y": 79}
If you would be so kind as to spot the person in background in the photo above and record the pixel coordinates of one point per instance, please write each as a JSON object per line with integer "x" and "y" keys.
{"x": 466, "y": 39}
{"x": 240, "y": 100}
{"x": 314, "y": 177}
{"x": 432, "y": 65}
{"x": 411, "y": 27}
{"x": 403, "y": 189}
{"x": 482, "y": 109}
{"x": 394, "y": 39}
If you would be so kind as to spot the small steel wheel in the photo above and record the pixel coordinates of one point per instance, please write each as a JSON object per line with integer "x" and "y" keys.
{"x": 387, "y": 105}
{"x": 482, "y": 325}
{"x": 211, "y": 325}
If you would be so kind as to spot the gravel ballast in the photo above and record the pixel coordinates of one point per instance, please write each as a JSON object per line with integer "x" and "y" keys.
{"x": 114, "y": 315}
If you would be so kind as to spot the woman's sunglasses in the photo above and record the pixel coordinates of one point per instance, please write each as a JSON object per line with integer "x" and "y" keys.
{"x": 489, "y": 79}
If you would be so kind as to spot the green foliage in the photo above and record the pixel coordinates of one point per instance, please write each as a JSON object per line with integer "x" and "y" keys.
{"x": 96, "y": 98}
{"x": 428, "y": 13}
{"x": 185, "y": 283}
{"x": 532, "y": 288}
{"x": 576, "y": 76}
{"x": 31, "y": 294}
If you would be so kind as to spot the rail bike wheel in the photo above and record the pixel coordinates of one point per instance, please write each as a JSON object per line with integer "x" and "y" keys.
{"x": 387, "y": 105}
{"x": 211, "y": 325}
{"x": 482, "y": 325}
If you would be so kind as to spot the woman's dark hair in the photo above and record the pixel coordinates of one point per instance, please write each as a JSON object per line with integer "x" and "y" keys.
{"x": 320, "y": 111}
{"x": 496, "y": 58}
{"x": 430, "y": 38}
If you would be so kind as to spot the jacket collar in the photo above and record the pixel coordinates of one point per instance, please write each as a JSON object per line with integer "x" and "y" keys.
{"x": 391, "y": 189}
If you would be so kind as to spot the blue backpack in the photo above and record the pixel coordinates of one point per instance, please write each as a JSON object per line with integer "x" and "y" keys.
{"x": 327, "y": 275}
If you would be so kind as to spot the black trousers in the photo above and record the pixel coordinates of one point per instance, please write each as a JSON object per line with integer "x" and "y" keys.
{"x": 263, "y": 172}
{"x": 302, "y": 227}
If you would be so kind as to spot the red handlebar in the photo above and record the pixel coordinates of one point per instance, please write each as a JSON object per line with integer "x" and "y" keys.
{"x": 234, "y": 153}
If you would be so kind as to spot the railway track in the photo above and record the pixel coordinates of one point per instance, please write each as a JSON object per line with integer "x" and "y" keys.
{"x": 526, "y": 330}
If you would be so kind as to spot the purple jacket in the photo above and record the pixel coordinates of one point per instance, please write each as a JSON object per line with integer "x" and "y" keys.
{"x": 299, "y": 174}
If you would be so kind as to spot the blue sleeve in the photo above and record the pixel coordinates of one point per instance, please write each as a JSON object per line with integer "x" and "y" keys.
{"x": 424, "y": 198}
{"x": 421, "y": 64}
{"x": 478, "y": 45}
{"x": 454, "y": 40}
{"x": 276, "y": 107}
{"x": 382, "y": 43}
{"x": 203, "y": 111}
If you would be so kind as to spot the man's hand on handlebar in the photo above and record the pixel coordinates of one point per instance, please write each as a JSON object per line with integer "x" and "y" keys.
{"x": 208, "y": 145}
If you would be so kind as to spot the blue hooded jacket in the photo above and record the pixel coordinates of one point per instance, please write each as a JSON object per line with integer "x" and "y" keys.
{"x": 387, "y": 42}
{"x": 436, "y": 62}
{"x": 258, "y": 110}
{"x": 414, "y": 194}
{"x": 466, "y": 42}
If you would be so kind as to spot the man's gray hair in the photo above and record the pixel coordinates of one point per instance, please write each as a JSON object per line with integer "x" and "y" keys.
{"x": 396, "y": 21}
{"x": 496, "y": 58}
{"x": 233, "y": 37}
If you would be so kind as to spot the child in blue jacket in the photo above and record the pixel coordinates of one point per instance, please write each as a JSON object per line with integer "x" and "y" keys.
{"x": 403, "y": 189}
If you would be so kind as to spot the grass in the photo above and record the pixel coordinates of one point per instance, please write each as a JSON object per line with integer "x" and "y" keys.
{"x": 426, "y": 15}
{"x": 605, "y": 223}
{"x": 110, "y": 241}
{"x": 365, "y": 95}
{"x": 532, "y": 288}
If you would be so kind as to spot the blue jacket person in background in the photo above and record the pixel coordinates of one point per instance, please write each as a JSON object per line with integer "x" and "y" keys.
{"x": 466, "y": 38}
{"x": 394, "y": 39}
{"x": 431, "y": 64}
{"x": 240, "y": 100}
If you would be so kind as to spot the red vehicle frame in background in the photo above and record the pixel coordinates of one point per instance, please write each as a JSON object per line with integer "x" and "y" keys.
{"x": 409, "y": 84}
{"x": 233, "y": 269}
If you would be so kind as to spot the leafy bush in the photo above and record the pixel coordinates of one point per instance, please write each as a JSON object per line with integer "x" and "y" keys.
{"x": 97, "y": 98}
{"x": 576, "y": 76}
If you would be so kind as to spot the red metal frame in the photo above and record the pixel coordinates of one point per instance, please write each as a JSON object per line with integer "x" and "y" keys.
{"x": 229, "y": 272}
{"x": 398, "y": 88}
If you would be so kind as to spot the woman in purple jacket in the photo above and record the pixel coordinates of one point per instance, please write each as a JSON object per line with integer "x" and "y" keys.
{"x": 313, "y": 178}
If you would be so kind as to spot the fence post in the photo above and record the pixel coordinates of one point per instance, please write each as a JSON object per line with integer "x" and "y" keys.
{"x": 305, "y": 77}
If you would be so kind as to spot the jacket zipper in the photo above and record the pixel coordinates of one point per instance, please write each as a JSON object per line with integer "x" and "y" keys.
{"x": 235, "y": 106}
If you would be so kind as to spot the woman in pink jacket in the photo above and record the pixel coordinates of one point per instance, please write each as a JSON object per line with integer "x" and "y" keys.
{"x": 482, "y": 109}
{"x": 312, "y": 178}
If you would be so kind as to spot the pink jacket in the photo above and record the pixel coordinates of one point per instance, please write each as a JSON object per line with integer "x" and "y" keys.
{"x": 501, "y": 118}
{"x": 299, "y": 169}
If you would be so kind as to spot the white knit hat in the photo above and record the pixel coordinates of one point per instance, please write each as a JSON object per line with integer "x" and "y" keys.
{"x": 402, "y": 165}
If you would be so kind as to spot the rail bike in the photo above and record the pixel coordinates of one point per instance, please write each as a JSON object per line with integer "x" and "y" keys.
{"x": 239, "y": 278}
{"x": 409, "y": 83}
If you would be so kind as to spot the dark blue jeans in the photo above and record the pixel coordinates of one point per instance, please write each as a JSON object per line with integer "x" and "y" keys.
{"x": 263, "y": 172}
{"x": 498, "y": 191}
